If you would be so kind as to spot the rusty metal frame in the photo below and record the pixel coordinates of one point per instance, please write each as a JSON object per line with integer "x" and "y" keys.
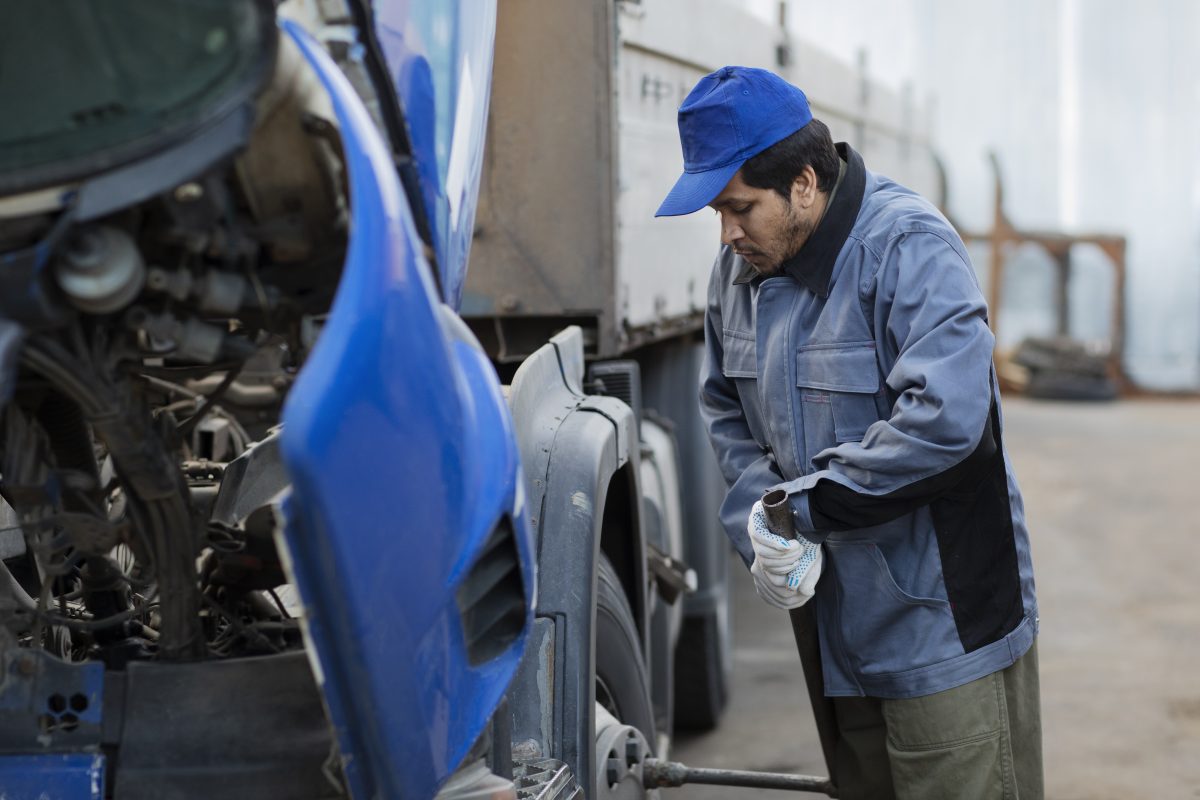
{"x": 1005, "y": 235}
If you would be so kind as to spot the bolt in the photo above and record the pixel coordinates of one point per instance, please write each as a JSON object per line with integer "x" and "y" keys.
{"x": 510, "y": 303}
{"x": 614, "y": 771}
{"x": 26, "y": 665}
{"x": 633, "y": 752}
{"x": 189, "y": 192}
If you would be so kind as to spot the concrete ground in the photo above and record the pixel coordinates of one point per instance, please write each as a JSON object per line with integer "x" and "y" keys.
{"x": 1112, "y": 495}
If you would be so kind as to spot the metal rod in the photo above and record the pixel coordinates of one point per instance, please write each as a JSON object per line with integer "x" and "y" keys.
{"x": 665, "y": 774}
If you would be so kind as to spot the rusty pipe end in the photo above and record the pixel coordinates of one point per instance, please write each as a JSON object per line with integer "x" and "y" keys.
{"x": 779, "y": 513}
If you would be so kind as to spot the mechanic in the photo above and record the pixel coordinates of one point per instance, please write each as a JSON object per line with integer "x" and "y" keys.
{"x": 849, "y": 363}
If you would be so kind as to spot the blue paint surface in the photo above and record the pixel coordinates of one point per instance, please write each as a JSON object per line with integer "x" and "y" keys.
{"x": 75, "y": 776}
{"x": 439, "y": 56}
{"x": 403, "y": 461}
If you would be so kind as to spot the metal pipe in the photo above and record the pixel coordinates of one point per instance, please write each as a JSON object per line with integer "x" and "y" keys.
{"x": 779, "y": 514}
{"x": 667, "y": 774}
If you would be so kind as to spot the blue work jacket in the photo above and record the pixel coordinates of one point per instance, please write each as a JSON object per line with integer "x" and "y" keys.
{"x": 859, "y": 379}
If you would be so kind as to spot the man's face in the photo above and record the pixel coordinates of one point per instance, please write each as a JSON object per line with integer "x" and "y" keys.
{"x": 764, "y": 228}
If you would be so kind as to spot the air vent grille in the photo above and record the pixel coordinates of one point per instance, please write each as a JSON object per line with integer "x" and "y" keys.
{"x": 491, "y": 598}
{"x": 620, "y": 379}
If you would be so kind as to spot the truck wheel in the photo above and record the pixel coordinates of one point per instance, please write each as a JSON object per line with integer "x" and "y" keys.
{"x": 702, "y": 660}
{"x": 624, "y": 714}
{"x": 621, "y": 683}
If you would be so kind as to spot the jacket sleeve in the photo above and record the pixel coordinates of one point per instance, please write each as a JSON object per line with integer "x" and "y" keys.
{"x": 944, "y": 428}
{"x": 748, "y": 467}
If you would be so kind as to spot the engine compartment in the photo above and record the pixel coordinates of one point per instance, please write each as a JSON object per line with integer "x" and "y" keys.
{"x": 150, "y": 335}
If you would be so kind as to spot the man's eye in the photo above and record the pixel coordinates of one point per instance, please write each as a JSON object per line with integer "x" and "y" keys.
{"x": 740, "y": 210}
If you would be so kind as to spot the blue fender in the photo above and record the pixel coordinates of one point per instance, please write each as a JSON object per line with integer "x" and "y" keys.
{"x": 405, "y": 474}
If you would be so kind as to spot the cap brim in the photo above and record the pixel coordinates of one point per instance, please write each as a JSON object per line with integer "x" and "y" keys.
{"x": 694, "y": 190}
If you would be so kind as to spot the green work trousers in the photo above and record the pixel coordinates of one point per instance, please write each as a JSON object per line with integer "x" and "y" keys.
{"x": 979, "y": 741}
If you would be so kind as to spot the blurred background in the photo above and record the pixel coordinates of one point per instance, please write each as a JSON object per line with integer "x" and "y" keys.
{"x": 1092, "y": 108}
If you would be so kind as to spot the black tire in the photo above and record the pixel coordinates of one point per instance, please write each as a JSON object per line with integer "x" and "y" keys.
{"x": 701, "y": 672}
{"x": 621, "y": 683}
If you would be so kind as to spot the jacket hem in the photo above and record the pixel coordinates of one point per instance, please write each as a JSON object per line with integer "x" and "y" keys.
{"x": 947, "y": 674}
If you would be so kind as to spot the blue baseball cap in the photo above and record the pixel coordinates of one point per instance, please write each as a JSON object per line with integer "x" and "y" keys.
{"x": 731, "y": 116}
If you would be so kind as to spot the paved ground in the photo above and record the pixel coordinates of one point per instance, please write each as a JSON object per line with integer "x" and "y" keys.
{"x": 1113, "y": 499}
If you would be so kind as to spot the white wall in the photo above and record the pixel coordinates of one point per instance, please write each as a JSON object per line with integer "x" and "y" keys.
{"x": 1139, "y": 169}
{"x": 1093, "y": 107}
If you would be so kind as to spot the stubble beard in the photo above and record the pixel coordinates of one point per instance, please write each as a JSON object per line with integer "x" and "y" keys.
{"x": 797, "y": 233}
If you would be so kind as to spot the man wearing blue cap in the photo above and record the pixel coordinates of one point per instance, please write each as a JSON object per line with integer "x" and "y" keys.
{"x": 849, "y": 364}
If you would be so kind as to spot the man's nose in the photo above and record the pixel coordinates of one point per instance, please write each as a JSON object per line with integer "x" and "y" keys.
{"x": 731, "y": 232}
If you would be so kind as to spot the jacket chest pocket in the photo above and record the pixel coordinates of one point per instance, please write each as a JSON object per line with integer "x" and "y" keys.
{"x": 740, "y": 359}
{"x": 838, "y": 384}
{"x": 739, "y": 363}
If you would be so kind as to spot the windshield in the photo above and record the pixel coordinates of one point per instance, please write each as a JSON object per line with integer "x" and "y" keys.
{"x": 88, "y": 86}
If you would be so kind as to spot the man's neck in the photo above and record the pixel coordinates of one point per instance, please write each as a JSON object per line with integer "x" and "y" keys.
{"x": 833, "y": 192}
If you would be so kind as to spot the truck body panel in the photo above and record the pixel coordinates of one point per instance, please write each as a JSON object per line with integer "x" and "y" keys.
{"x": 576, "y": 169}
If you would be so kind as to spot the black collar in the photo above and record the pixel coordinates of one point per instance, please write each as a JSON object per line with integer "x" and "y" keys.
{"x": 812, "y": 267}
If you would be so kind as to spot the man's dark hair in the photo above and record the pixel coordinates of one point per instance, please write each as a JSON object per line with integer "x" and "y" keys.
{"x": 779, "y": 165}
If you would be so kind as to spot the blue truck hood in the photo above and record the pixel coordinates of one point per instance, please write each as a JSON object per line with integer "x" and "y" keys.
{"x": 439, "y": 56}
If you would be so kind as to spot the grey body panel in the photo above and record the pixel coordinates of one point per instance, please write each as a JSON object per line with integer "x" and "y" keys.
{"x": 578, "y": 452}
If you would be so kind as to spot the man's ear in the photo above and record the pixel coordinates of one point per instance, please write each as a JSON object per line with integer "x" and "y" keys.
{"x": 804, "y": 187}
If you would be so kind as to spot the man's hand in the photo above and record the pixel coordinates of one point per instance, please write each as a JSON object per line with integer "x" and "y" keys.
{"x": 785, "y": 570}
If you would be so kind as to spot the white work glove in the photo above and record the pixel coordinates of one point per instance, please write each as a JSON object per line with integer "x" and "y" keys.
{"x": 785, "y": 570}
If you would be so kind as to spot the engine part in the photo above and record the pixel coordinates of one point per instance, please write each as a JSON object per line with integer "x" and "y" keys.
{"x": 214, "y": 291}
{"x": 254, "y": 563}
{"x": 100, "y": 269}
{"x": 213, "y": 440}
{"x": 193, "y": 340}
{"x": 88, "y": 533}
{"x": 12, "y": 542}
{"x": 106, "y": 594}
{"x": 253, "y": 480}
{"x": 154, "y": 489}
{"x": 289, "y": 174}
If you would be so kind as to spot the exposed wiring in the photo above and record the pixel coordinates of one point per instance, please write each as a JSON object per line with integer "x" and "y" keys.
{"x": 185, "y": 428}
{"x": 204, "y": 404}
{"x": 247, "y": 630}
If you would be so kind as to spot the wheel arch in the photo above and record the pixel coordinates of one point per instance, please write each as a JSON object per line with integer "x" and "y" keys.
{"x": 581, "y": 457}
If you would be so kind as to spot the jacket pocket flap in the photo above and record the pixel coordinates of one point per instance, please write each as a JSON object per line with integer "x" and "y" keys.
{"x": 739, "y": 360}
{"x": 838, "y": 368}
